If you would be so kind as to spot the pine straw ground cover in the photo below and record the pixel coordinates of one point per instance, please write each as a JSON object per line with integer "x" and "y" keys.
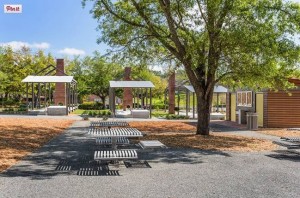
{"x": 20, "y": 136}
{"x": 280, "y": 132}
{"x": 182, "y": 135}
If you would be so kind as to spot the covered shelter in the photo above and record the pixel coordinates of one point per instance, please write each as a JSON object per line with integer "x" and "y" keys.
{"x": 190, "y": 90}
{"x": 59, "y": 99}
{"x": 147, "y": 85}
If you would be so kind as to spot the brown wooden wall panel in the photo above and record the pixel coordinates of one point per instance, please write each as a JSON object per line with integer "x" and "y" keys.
{"x": 283, "y": 110}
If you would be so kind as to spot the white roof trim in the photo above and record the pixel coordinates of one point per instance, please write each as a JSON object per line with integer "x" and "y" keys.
{"x": 217, "y": 89}
{"x": 131, "y": 84}
{"x": 48, "y": 79}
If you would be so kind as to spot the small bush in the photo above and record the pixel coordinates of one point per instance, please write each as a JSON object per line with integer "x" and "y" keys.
{"x": 91, "y": 106}
{"x": 101, "y": 113}
{"x": 176, "y": 117}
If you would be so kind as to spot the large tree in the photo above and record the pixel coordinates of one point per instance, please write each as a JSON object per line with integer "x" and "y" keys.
{"x": 99, "y": 73}
{"x": 240, "y": 42}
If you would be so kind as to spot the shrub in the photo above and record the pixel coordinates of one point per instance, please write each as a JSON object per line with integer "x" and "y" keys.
{"x": 176, "y": 117}
{"x": 91, "y": 106}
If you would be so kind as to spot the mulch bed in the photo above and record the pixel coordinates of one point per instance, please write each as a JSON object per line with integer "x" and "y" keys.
{"x": 280, "y": 132}
{"x": 182, "y": 135}
{"x": 20, "y": 136}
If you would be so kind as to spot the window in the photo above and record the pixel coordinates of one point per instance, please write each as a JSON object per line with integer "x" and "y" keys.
{"x": 244, "y": 98}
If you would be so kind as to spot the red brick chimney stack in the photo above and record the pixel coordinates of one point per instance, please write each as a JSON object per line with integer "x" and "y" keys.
{"x": 127, "y": 95}
{"x": 60, "y": 88}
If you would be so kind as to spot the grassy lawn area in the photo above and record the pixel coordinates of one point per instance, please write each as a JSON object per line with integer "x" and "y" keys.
{"x": 182, "y": 134}
{"x": 280, "y": 132}
{"x": 19, "y": 137}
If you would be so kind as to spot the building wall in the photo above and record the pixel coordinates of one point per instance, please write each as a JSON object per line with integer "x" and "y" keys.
{"x": 233, "y": 107}
{"x": 260, "y": 108}
{"x": 283, "y": 109}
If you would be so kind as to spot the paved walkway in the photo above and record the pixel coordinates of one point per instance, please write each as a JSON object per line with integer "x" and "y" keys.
{"x": 64, "y": 168}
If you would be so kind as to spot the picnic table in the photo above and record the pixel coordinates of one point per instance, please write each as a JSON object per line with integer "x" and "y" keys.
{"x": 109, "y": 124}
{"x": 115, "y": 133}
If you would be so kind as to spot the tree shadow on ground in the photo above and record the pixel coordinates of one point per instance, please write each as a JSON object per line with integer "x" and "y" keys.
{"x": 72, "y": 154}
{"x": 221, "y": 126}
{"x": 285, "y": 155}
{"x": 179, "y": 155}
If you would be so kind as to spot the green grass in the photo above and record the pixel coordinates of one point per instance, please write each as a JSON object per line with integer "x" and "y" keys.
{"x": 82, "y": 111}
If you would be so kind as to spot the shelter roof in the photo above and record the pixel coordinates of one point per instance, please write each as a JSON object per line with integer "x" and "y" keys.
{"x": 48, "y": 79}
{"x": 217, "y": 89}
{"x": 131, "y": 84}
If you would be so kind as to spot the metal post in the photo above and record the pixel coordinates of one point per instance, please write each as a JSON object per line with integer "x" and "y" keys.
{"x": 45, "y": 96}
{"x": 146, "y": 95}
{"x": 67, "y": 97}
{"x": 193, "y": 104}
{"x": 73, "y": 97}
{"x": 114, "y": 103}
{"x": 150, "y": 103}
{"x": 39, "y": 96}
{"x": 189, "y": 100}
{"x": 165, "y": 100}
{"x": 27, "y": 97}
{"x": 49, "y": 94}
{"x": 186, "y": 103}
{"x": 178, "y": 100}
{"x": 217, "y": 102}
{"x": 32, "y": 96}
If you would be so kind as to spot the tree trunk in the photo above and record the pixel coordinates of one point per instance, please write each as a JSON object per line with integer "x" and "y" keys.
{"x": 103, "y": 101}
{"x": 203, "y": 110}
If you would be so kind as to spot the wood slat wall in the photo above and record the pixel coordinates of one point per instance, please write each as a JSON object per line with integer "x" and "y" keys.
{"x": 283, "y": 110}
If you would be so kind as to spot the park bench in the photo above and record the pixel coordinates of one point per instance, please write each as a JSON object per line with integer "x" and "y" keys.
{"x": 115, "y": 132}
{"x": 115, "y": 155}
{"x": 151, "y": 144}
{"x": 108, "y": 140}
{"x": 109, "y": 124}
{"x": 291, "y": 139}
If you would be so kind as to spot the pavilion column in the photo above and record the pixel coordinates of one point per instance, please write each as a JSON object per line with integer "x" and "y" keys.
{"x": 27, "y": 103}
{"x": 150, "y": 103}
{"x": 67, "y": 97}
{"x": 32, "y": 96}
{"x": 45, "y": 95}
{"x": 186, "y": 105}
{"x": 178, "y": 100}
{"x": 49, "y": 86}
{"x": 193, "y": 104}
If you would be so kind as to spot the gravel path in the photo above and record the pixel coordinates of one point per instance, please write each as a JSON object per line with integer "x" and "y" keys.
{"x": 64, "y": 168}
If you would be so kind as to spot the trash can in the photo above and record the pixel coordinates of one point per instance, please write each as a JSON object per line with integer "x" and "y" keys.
{"x": 252, "y": 121}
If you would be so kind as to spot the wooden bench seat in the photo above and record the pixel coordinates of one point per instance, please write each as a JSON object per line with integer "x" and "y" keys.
{"x": 116, "y": 155}
{"x": 108, "y": 140}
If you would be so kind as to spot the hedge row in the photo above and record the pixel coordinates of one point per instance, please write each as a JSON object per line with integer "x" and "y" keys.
{"x": 91, "y": 106}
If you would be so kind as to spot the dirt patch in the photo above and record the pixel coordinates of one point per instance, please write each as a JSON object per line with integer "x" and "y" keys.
{"x": 280, "y": 132}
{"x": 182, "y": 135}
{"x": 20, "y": 136}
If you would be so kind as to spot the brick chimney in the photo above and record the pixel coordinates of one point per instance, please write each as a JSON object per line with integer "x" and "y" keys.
{"x": 60, "y": 88}
{"x": 172, "y": 94}
{"x": 127, "y": 95}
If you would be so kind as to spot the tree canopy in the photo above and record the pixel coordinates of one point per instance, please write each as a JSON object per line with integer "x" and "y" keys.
{"x": 234, "y": 42}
